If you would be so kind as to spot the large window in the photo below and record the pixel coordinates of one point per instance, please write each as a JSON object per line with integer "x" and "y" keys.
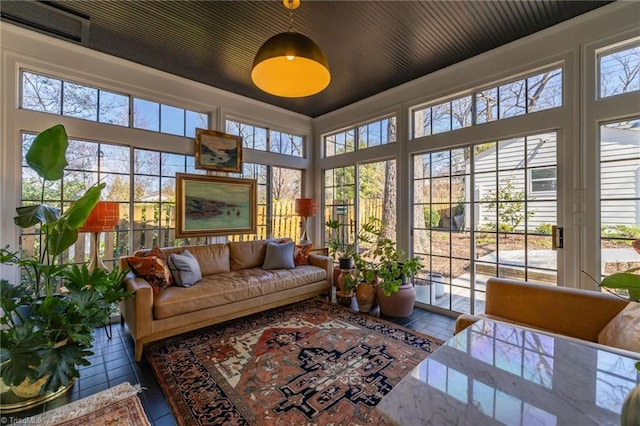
{"x": 533, "y": 93}
{"x": 56, "y": 96}
{"x": 264, "y": 139}
{"x": 619, "y": 195}
{"x": 374, "y": 133}
{"x": 619, "y": 71}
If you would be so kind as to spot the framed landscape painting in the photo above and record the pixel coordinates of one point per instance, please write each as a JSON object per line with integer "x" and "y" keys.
{"x": 215, "y": 205}
{"x": 218, "y": 151}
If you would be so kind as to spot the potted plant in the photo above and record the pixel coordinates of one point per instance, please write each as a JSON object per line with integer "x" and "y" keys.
{"x": 49, "y": 316}
{"x": 343, "y": 251}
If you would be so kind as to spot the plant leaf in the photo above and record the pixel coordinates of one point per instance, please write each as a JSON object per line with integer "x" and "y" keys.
{"x": 47, "y": 153}
{"x": 80, "y": 210}
{"x": 29, "y": 216}
{"x": 624, "y": 280}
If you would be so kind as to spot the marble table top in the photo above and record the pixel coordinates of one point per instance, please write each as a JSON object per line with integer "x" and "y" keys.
{"x": 496, "y": 373}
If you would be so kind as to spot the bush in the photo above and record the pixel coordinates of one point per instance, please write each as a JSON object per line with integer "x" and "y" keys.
{"x": 544, "y": 229}
{"x": 431, "y": 217}
{"x": 621, "y": 231}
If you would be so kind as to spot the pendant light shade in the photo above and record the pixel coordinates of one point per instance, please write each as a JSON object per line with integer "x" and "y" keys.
{"x": 290, "y": 65}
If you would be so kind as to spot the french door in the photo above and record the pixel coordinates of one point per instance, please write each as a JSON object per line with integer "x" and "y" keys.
{"x": 484, "y": 210}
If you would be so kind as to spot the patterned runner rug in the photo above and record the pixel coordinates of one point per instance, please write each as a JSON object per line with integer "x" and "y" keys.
{"x": 311, "y": 363}
{"x": 116, "y": 406}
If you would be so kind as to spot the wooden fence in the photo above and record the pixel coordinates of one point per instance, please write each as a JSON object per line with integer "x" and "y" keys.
{"x": 154, "y": 224}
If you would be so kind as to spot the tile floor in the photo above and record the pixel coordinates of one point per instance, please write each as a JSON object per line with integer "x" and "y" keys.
{"x": 113, "y": 363}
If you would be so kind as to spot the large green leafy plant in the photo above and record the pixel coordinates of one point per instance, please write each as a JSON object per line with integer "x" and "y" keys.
{"x": 48, "y": 317}
{"x": 383, "y": 263}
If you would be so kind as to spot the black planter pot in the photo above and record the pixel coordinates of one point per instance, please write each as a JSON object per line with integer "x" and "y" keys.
{"x": 346, "y": 263}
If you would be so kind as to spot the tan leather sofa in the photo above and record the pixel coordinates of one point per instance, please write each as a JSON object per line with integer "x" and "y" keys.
{"x": 571, "y": 312}
{"x": 233, "y": 285}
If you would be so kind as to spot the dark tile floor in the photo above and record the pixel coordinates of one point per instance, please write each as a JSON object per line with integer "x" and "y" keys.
{"x": 113, "y": 363}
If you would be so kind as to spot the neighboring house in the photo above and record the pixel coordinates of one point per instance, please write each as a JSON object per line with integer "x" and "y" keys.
{"x": 620, "y": 180}
{"x": 535, "y": 175}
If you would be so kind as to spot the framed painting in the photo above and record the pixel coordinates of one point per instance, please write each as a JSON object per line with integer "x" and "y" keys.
{"x": 218, "y": 151}
{"x": 215, "y": 205}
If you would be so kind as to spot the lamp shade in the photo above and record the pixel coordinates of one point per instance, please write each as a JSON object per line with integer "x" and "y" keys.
{"x": 104, "y": 217}
{"x": 290, "y": 65}
{"x": 306, "y": 207}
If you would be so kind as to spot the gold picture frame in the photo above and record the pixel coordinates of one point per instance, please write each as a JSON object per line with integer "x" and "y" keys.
{"x": 215, "y": 205}
{"x": 218, "y": 151}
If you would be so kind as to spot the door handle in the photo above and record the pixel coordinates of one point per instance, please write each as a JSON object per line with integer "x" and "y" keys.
{"x": 557, "y": 237}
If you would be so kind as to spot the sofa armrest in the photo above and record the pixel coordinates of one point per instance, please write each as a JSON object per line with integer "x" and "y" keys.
{"x": 563, "y": 310}
{"x": 465, "y": 320}
{"x": 138, "y": 310}
{"x": 324, "y": 262}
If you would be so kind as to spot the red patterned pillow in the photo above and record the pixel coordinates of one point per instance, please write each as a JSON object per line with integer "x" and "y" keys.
{"x": 152, "y": 267}
{"x": 301, "y": 254}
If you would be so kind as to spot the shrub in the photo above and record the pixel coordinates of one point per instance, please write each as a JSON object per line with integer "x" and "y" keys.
{"x": 431, "y": 217}
{"x": 543, "y": 229}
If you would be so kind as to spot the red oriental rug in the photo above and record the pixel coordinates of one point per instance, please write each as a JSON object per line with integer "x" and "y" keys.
{"x": 311, "y": 363}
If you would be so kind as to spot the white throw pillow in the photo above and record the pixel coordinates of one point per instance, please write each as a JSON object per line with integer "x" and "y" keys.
{"x": 623, "y": 331}
{"x": 184, "y": 268}
{"x": 279, "y": 255}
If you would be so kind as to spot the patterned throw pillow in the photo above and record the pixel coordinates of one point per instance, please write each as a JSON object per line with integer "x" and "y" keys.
{"x": 153, "y": 268}
{"x": 301, "y": 254}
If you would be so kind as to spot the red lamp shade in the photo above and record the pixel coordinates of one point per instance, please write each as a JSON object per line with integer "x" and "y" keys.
{"x": 306, "y": 207}
{"x": 104, "y": 217}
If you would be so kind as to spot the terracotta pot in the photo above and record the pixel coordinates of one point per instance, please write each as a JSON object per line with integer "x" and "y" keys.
{"x": 366, "y": 296}
{"x": 336, "y": 274}
{"x": 398, "y": 304}
{"x": 344, "y": 298}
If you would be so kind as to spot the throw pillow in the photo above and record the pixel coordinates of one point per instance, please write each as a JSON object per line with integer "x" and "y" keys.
{"x": 184, "y": 268}
{"x": 279, "y": 256}
{"x": 153, "y": 268}
{"x": 623, "y": 331}
{"x": 301, "y": 254}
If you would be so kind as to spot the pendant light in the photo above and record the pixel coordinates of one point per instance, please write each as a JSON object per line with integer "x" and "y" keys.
{"x": 290, "y": 64}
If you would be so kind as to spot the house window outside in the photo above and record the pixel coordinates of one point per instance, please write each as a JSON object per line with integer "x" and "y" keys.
{"x": 543, "y": 179}
{"x": 367, "y": 135}
{"x": 619, "y": 71}
{"x": 49, "y": 94}
{"x": 533, "y": 93}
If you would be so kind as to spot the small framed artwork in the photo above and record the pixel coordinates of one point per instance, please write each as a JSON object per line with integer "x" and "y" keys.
{"x": 215, "y": 205}
{"x": 218, "y": 151}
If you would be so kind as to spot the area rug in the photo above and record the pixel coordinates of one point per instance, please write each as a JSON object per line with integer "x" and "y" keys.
{"x": 116, "y": 406}
{"x": 311, "y": 363}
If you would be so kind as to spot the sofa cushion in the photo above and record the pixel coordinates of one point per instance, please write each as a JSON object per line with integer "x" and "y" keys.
{"x": 247, "y": 254}
{"x": 152, "y": 266}
{"x": 184, "y": 268}
{"x": 623, "y": 331}
{"x": 279, "y": 256}
{"x": 212, "y": 258}
{"x": 233, "y": 286}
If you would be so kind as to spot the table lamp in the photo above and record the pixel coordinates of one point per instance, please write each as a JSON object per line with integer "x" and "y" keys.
{"x": 104, "y": 217}
{"x": 306, "y": 207}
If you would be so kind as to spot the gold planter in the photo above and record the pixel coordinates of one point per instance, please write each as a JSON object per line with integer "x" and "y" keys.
{"x": 26, "y": 395}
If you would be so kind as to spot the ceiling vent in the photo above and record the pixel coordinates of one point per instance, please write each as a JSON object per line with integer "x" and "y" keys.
{"x": 47, "y": 19}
